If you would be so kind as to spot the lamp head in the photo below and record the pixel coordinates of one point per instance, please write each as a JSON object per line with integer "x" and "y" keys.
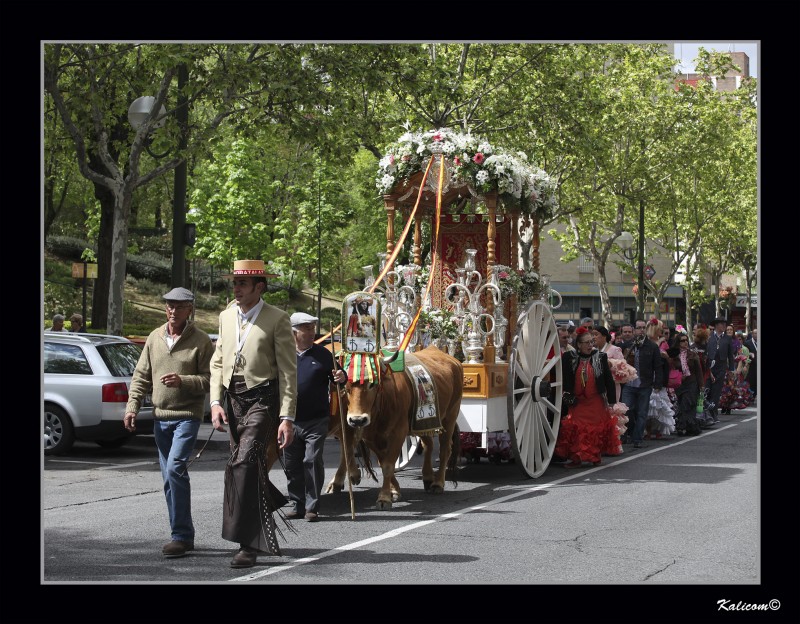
{"x": 139, "y": 110}
{"x": 625, "y": 240}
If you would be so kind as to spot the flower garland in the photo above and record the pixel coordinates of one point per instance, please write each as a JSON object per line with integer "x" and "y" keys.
{"x": 474, "y": 161}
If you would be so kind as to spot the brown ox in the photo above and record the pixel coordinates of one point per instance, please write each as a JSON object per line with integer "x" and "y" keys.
{"x": 383, "y": 412}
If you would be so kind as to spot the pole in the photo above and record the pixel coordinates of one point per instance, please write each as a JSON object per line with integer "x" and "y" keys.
{"x": 344, "y": 449}
{"x": 85, "y": 279}
{"x": 319, "y": 243}
{"x": 640, "y": 294}
{"x": 179, "y": 201}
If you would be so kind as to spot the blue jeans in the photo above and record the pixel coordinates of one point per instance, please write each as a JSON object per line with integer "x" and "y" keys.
{"x": 175, "y": 441}
{"x": 305, "y": 470}
{"x": 638, "y": 402}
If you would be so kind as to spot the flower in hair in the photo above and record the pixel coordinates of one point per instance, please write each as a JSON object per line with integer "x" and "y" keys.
{"x": 581, "y": 331}
{"x": 653, "y": 320}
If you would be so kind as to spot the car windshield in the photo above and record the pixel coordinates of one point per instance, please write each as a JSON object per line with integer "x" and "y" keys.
{"x": 120, "y": 357}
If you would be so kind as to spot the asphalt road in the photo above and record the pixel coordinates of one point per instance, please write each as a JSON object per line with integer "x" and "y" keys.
{"x": 681, "y": 511}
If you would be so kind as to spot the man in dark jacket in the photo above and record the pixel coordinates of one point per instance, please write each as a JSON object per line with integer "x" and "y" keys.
{"x": 720, "y": 359}
{"x": 645, "y": 356}
{"x": 752, "y": 377}
{"x": 305, "y": 468}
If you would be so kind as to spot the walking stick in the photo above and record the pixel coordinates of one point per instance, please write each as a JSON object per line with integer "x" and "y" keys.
{"x": 341, "y": 418}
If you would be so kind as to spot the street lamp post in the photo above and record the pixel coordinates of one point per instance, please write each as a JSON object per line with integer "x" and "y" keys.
{"x": 137, "y": 113}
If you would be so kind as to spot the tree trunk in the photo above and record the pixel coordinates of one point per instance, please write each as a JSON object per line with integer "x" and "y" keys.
{"x": 119, "y": 254}
{"x": 104, "y": 237}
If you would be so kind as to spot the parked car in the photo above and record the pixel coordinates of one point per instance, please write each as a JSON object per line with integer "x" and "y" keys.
{"x": 86, "y": 382}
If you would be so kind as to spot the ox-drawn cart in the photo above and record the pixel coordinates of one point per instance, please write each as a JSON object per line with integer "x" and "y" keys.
{"x": 512, "y": 377}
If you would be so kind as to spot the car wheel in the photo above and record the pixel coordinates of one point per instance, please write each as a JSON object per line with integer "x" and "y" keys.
{"x": 59, "y": 434}
{"x": 115, "y": 443}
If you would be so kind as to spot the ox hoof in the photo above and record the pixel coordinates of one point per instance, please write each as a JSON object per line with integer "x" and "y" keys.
{"x": 355, "y": 480}
{"x": 436, "y": 489}
{"x": 384, "y": 505}
{"x": 333, "y": 488}
{"x": 426, "y": 484}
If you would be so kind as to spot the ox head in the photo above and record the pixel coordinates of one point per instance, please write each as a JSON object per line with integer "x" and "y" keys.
{"x": 363, "y": 384}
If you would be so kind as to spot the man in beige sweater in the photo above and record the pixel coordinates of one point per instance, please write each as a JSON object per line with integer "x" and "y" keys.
{"x": 174, "y": 367}
{"x": 254, "y": 391}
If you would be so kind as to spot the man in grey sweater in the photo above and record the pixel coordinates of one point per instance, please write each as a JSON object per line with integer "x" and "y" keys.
{"x": 174, "y": 367}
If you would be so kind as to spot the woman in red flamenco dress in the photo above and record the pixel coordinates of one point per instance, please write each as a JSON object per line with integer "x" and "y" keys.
{"x": 589, "y": 429}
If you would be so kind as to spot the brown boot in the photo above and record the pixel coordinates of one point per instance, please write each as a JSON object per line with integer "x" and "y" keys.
{"x": 176, "y": 548}
{"x": 245, "y": 558}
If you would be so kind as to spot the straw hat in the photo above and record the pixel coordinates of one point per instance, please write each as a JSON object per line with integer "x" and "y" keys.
{"x": 249, "y": 268}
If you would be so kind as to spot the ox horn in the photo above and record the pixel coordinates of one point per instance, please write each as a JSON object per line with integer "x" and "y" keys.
{"x": 389, "y": 358}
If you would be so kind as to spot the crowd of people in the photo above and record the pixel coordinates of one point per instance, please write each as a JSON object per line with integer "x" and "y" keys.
{"x": 75, "y": 323}
{"x": 647, "y": 381}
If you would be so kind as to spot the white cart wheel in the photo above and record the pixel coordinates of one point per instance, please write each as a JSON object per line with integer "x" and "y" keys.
{"x": 534, "y": 389}
{"x": 407, "y": 452}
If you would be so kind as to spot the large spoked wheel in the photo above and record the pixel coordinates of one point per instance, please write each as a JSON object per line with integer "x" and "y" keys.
{"x": 407, "y": 452}
{"x": 534, "y": 389}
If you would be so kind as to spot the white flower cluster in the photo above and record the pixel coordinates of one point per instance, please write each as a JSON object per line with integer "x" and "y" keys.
{"x": 440, "y": 323}
{"x": 472, "y": 160}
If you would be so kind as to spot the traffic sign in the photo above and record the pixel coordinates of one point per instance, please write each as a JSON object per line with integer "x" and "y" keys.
{"x": 649, "y": 271}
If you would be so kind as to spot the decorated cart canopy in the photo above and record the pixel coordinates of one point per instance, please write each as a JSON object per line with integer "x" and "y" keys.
{"x": 473, "y": 169}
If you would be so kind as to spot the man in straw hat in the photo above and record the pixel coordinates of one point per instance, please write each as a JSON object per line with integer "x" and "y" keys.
{"x": 254, "y": 391}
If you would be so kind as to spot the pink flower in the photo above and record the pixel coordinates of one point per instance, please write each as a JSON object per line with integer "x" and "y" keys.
{"x": 502, "y": 275}
{"x": 456, "y": 161}
{"x": 437, "y": 136}
{"x": 406, "y": 157}
{"x": 391, "y": 159}
{"x": 478, "y": 158}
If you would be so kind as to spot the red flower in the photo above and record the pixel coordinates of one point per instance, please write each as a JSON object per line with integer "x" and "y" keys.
{"x": 478, "y": 158}
{"x": 437, "y": 136}
{"x": 457, "y": 161}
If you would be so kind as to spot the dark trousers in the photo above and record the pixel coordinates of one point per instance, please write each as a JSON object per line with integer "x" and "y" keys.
{"x": 638, "y": 402}
{"x": 249, "y": 497}
{"x": 716, "y": 388}
{"x": 305, "y": 469}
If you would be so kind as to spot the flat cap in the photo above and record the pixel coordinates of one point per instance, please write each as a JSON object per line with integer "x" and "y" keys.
{"x": 179, "y": 294}
{"x": 300, "y": 318}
